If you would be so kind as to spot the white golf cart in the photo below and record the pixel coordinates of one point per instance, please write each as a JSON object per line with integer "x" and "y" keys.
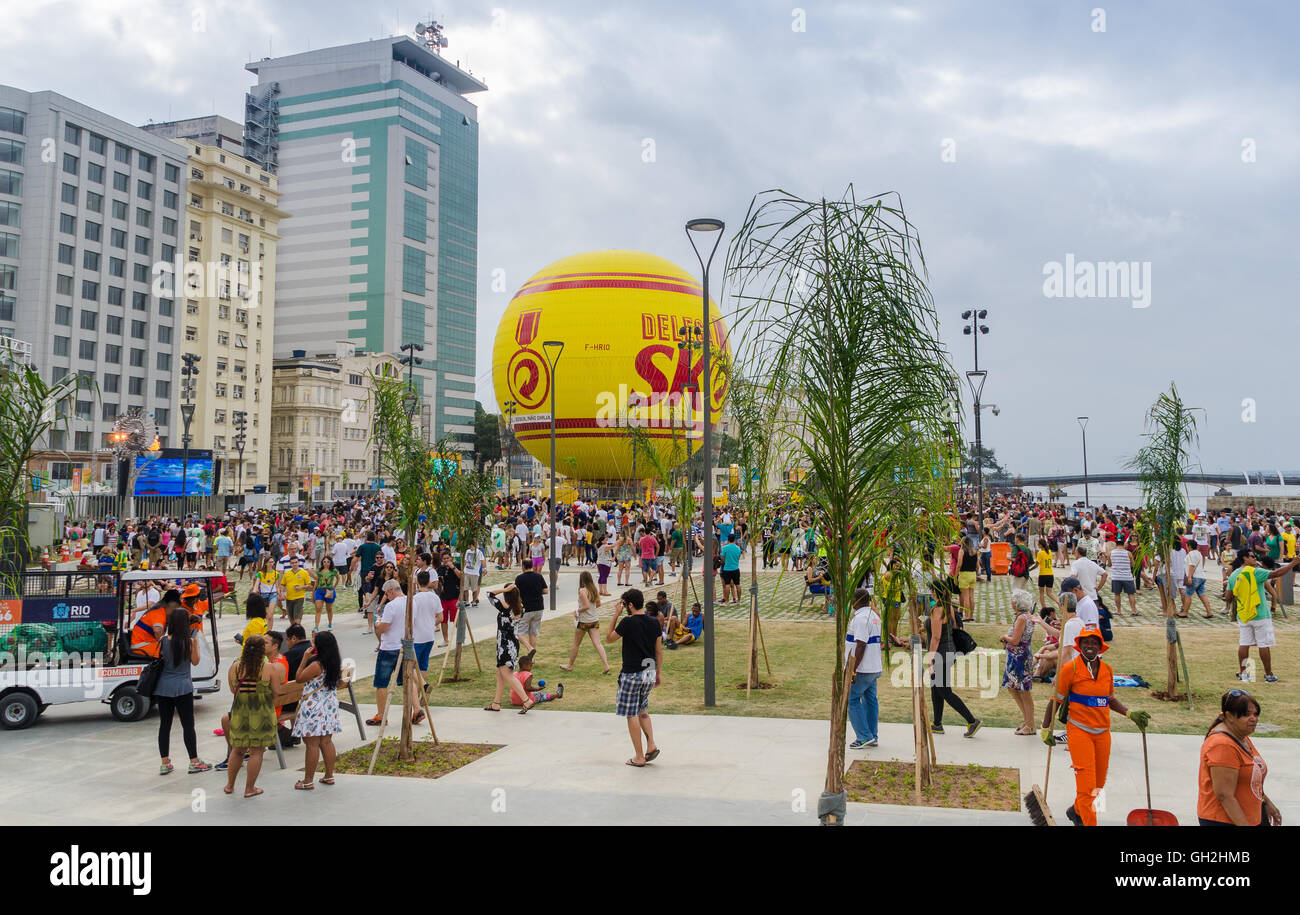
{"x": 68, "y": 638}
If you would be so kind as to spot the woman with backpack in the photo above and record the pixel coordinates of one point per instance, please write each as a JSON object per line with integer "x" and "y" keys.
{"x": 942, "y": 658}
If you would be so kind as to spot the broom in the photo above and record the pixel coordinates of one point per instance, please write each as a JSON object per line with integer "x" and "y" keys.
{"x": 1036, "y": 800}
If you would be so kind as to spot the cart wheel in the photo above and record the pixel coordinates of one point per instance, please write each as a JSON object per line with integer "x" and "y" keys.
{"x": 18, "y": 711}
{"x": 129, "y": 705}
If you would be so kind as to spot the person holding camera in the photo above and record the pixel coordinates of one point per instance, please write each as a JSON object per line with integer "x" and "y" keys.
{"x": 643, "y": 659}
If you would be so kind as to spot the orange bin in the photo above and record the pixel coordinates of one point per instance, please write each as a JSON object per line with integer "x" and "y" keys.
{"x": 1001, "y": 558}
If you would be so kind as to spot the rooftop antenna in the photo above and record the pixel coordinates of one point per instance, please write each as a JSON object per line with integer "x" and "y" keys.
{"x": 431, "y": 36}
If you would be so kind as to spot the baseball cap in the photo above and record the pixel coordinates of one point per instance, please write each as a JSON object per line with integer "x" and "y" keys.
{"x": 1069, "y": 585}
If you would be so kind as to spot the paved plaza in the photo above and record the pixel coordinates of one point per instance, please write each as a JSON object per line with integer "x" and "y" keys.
{"x": 79, "y": 766}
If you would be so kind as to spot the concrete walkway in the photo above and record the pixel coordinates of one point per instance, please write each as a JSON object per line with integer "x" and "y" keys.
{"x": 79, "y": 766}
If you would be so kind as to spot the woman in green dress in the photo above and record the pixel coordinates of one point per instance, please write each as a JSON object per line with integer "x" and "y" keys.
{"x": 326, "y": 591}
{"x": 258, "y": 687}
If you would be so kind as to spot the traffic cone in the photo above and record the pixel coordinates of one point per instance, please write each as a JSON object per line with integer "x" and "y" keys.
{"x": 45, "y": 558}
{"x": 63, "y": 552}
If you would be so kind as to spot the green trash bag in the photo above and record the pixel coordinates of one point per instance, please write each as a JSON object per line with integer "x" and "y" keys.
{"x": 84, "y": 638}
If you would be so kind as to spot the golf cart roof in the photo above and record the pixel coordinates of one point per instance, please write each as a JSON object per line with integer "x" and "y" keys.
{"x": 170, "y": 574}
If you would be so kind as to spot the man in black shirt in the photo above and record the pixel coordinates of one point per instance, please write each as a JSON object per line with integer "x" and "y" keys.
{"x": 449, "y": 588}
{"x": 532, "y": 586}
{"x": 643, "y": 657}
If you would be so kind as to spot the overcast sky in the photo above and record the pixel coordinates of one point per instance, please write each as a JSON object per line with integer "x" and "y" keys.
{"x": 1017, "y": 133}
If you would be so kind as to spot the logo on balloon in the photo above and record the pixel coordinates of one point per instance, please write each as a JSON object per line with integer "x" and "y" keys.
{"x": 528, "y": 375}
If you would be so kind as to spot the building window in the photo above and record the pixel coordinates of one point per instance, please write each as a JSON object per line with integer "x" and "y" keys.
{"x": 121, "y": 182}
{"x": 94, "y": 202}
{"x": 162, "y": 389}
{"x": 122, "y": 153}
{"x": 63, "y": 285}
{"x": 89, "y": 291}
{"x": 61, "y": 345}
{"x": 221, "y": 389}
{"x": 223, "y": 312}
{"x": 93, "y": 230}
{"x": 142, "y": 245}
{"x": 82, "y": 439}
{"x": 162, "y": 415}
{"x": 112, "y": 354}
{"x": 171, "y": 172}
{"x": 72, "y": 134}
{"x": 413, "y": 270}
{"x": 11, "y": 182}
{"x": 112, "y": 384}
{"x": 67, "y": 255}
{"x": 164, "y": 362}
{"x": 108, "y": 412}
{"x": 144, "y": 190}
{"x": 8, "y": 245}
{"x": 11, "y": 151}
{"x": 141, "y": 274}
{"x": 166, "y": 307}
{"x": 94, "y": 173}
{"x": 89, "y": 320}
{"x": 143, "y": 218}
{"x": 237, "y": 391}
{"x": 169, "y": 226}
{"x": 146, "y": 163}
{"x": 69, "y": 194}
{"x": 12, "y": 120}
{"x": 63, "y": 315}
{"x": 164, "y": 334}
{"x": 191, "y": 334}
{"x": 70, "y": 163}
{"x": 90, "y": 260}
{"x": 116, "y": 267}
{"x": 137, "y": 358}
{"x": 223, "y": 338}
{"x": 117, "y": 239}
{"x": 138, "y": 330}
{"x": 98, "y": 144}
{"x": 87, "y": 350}
{"x": 135, "y": 388}
{"x": 120, "y": 210}
{"x": 218, "y": 416}
{"x": 67, "y": 224}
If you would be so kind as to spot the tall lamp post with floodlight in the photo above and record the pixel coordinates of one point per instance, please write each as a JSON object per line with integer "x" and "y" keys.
{"x": 974, "y": 329}
{"x": 241, "y": 439}
{"x": 694, "y": 228}
{"x": 1083, "y": 427}
{"x": 553, "y": 350}
{"x": 976, "y": 381}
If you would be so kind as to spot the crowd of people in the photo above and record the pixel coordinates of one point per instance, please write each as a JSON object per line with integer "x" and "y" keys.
{"x": 297, "y": 561}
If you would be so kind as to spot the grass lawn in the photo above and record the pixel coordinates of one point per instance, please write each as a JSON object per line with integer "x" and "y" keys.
{"x": 801, "y": 657}
{"x": 431, "y": 760}
{"x": 970, "y": 787}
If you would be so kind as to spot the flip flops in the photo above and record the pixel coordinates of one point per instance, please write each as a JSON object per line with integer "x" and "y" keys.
{"x": 300, "y": 785}
{"x": 652, "y": 755}
{"x": 635, "y": 764}
{"x": 494, "y": 707}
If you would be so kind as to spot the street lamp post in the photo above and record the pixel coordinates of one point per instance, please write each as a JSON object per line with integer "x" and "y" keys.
{"x": 189, "y": 374}
{"x": 1083, "y": 426}
{"x": 508, "y": 409}
{"x": 974, "y": 329}
{"x": 410, "y": 360}
{"x": 555, "y": 347}
{"x": 632, "y": 403}
{"x": 241, "y": 438}
{"x": 976, "y": 381}
{"x": 714, "y": 227}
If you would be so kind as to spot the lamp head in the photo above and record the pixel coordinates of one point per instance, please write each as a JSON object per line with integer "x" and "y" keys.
{"x": 965, "y": 315}
{"x": 705, "y": 225}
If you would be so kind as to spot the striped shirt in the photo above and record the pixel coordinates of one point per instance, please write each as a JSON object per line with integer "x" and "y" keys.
{"x": 1121, "y": 565}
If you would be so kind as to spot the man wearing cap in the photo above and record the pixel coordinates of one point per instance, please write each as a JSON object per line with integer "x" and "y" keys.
{"x": 1086, "y": 607}
{"x": 1086, "y": 688}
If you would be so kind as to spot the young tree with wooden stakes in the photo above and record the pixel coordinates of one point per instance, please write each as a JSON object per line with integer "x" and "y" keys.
{"x": 1163, "y": 465}
{"x": 408, "y": 466}
{"x": 757, "y": 408}
{"x": 834, "y": 291}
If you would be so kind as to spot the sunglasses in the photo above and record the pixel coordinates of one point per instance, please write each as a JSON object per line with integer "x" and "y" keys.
{"x": 1235, "y": 693}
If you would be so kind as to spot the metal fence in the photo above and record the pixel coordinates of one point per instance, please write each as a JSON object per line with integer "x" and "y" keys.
{"x": 100, "y": 507}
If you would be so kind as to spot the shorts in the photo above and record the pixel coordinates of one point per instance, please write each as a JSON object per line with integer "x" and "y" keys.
{"x": 270, "y": 597}
{"x": 648, "y": 566}
{"x": 1204, "y": 549}
{"x": 659, "y": 561}
{"x": 471, "y": 582}
{"x": 603, "y": 571}
{"x": 1123, "y": 587}
{"x": 294, "y": 607}
{"x": 1196, "y": 587}
{"x": 1045, "y": 581}
{"x": 422, "y": 650}
{"x": 450, "y": 608}
{"x": 676, "y": 555}
{"x": 731, "y": 577}
{"x": 634, "y": 693}
{"x": 529, "y": 624}
{"x": 385, "y": 664}
{"x": 965, "y": 580}
{"x": 326, "y": 595}
{"x": 537, "y": 562}
{"x": 587, "y": 627}
{"x": 1256, "y": 632}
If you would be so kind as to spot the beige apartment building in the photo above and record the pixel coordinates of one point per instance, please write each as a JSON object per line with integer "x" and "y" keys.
{"x": 306, "y": 425}
{"x": 227, "y": 283}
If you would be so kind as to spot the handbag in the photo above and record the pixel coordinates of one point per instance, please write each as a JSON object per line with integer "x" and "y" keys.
{"x": 148, "y": 681}
{"x": 963, "y": 641}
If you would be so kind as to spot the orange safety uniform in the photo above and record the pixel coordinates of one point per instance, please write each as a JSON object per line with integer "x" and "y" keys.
{"x": 143, "y": 639}
{"x": 1087, "y": 728}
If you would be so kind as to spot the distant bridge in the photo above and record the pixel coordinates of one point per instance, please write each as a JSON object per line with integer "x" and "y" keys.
{"x": 1245, "y": 478}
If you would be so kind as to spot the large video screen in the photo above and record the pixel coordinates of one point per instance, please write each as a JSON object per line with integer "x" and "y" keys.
{"x": 161, "y": 475}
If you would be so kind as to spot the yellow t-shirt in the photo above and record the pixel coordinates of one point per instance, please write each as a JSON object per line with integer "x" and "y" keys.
{"x": 267, "y": 580}
{"x": 296, "y": 584}
{"x": 256, "y": 626}
{"x": 1288, "y": 545}
{"x": 1044, "y": 560}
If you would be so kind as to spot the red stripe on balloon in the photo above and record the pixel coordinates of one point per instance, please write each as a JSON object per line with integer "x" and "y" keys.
{"x": 609, "y": 284}
{"x": 594, "y": 273}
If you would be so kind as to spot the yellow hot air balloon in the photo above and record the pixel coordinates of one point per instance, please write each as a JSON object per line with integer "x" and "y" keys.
{"x": 620, "y": 315}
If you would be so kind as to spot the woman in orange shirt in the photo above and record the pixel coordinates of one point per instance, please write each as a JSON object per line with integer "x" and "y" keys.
{"x": 1086, "y": 686}
{"x": 1231, "y": 780}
